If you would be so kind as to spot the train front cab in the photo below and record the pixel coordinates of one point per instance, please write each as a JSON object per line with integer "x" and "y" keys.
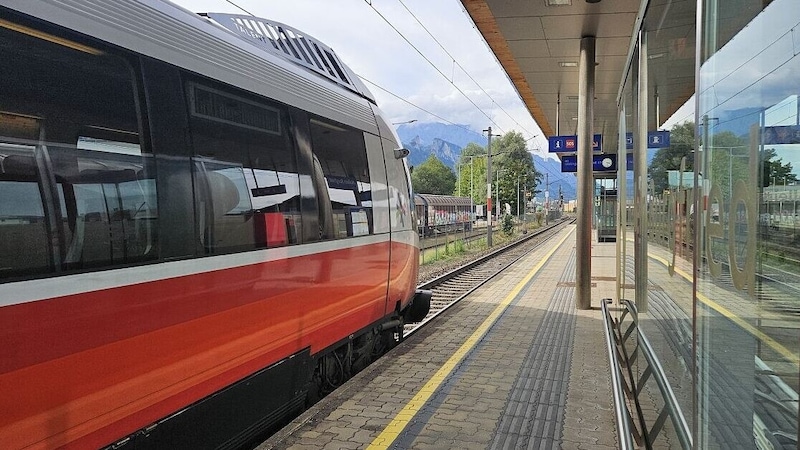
{"x": 708, "y": 271}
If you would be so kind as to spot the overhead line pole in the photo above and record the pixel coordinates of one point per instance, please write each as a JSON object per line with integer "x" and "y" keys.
{"x": 489, "y": 188}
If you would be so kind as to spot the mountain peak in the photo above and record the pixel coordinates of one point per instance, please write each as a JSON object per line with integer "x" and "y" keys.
{"x": 446, "y": 141}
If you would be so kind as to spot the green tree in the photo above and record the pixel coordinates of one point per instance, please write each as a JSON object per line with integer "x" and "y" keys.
{"x": 471, "y": 167}
{"x": 508, "y": 224}
{"x": 729, "y": 161}
{"x": 513, "y": 169}
{"x": 681, "y": 144}
{"x": 775, "y": 172}
{"x": 433, "y": 177}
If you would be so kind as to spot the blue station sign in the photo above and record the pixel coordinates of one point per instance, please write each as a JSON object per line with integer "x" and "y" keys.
{"x": 569, "y": 163}
{"x": 655, "y": 139}
{"x": 600, "y": 163}
{"x": 568, "y": 144}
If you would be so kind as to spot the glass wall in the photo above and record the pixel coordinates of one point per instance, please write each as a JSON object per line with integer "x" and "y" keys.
{"x": 656, "y": 254}
{"x": 625, "y": 258}
{"x": 712, "y": 256}
{"x": 748, "y": 265}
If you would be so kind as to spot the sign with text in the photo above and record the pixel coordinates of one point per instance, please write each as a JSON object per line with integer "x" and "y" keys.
{"x": 567, "y": 144}
{"x": 600, "y": 163}
{"x": 569, "y": 163}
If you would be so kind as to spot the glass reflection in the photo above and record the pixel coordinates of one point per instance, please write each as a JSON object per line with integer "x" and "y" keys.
{"x": 747, "y": 294}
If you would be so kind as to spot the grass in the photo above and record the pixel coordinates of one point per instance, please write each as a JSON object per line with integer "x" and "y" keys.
{"x": 457, "y": 247}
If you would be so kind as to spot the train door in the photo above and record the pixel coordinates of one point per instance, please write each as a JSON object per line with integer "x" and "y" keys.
{"x": 404, "y": 265}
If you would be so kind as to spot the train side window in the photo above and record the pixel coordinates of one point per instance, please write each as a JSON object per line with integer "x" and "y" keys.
{"x": 341, "y": 154}
{"x": 108, "y": 197}
{"x": 75, "y": 110}
{"x": 246, "y": 170}
{"x": 23, "y": 231}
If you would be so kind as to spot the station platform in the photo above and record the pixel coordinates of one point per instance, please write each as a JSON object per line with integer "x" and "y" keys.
{"x": 512, "y": 366}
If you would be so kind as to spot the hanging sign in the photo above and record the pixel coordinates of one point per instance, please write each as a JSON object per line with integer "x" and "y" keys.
{"x": 600, "y": 163}
{"x": 655, "y": 139}
{"x": 568, "y": 144}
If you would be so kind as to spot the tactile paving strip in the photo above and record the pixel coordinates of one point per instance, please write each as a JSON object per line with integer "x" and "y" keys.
{"x": 534, "y": 413}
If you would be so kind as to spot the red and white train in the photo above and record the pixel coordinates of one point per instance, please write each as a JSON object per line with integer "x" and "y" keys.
{"x": 204, "y": 222}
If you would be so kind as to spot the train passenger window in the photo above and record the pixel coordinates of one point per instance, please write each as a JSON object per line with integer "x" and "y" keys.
{"x": 108, "y": 199}
{"x": 246, "y": 171}
{"x": 23, "y": 232}
{"x": 342, "y": 156}
{"x": 78, "y": 190}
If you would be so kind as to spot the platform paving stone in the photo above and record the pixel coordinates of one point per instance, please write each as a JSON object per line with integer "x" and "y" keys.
{"x": 538, "y": 379}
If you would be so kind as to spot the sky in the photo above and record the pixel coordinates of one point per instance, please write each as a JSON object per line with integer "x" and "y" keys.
{"x": 451, "y": 77}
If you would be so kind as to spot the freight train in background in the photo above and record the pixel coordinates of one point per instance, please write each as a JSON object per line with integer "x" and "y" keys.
{"x": 204, "y": 226}
{"x": 442, "y": 214}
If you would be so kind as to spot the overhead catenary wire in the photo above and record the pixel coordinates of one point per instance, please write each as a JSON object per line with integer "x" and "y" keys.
{"x": 419, "y": 107}
{"x": 234, "y": 4}
{"x": 433, "y": 65}
{"x": 456, "y": 63}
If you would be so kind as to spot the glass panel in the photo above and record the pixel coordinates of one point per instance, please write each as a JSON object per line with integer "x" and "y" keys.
{"x": 225, "y": 207}
{"x": 748, "y": 329}
{"x": 77, "y": 189}
{"x": 23, "y": 229}
{"x": 662, "y": 143}
{"x": 247, "y": 182}
{"x": 342, "y": 156}
{"x": 111, "y": 212}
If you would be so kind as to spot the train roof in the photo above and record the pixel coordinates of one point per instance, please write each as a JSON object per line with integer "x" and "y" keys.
{"x": 294, "y": 45}
{"x": 441, "y": 200}
{"x": 210, "y": 46}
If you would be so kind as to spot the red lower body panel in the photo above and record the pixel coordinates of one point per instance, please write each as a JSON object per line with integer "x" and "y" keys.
{"x": 85, "y": 370}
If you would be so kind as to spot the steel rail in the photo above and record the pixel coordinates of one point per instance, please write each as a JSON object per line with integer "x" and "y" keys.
{"x": 546, "y": 233}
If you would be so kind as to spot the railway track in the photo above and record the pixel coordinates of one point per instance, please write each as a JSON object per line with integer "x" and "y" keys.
{"x": 452, "y": 286}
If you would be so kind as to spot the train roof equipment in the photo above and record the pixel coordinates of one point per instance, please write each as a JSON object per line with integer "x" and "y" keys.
{"x": 293, "y": 45}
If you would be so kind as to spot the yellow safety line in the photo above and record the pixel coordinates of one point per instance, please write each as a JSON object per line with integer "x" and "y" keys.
{"x": 401, "y": 420}
{"x": 775, "y": 345}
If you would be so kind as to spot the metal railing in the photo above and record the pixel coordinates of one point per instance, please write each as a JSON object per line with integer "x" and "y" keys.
{"x": 621, "y": 412}
{"x": 627, "y": 387}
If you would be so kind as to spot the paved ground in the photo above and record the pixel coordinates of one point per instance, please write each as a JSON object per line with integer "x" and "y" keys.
{"x": 514, "y": 365}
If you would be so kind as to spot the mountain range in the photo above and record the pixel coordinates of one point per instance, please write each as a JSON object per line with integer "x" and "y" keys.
{"x": 446, "y": 141}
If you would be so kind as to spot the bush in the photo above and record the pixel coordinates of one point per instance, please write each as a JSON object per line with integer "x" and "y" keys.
{"x": 508, "y": 224}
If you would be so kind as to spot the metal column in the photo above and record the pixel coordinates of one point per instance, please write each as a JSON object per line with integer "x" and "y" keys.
{"x": 583, "y": 240}
{"x": 640, "y": 182}
{"x": 489, "y": 188}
